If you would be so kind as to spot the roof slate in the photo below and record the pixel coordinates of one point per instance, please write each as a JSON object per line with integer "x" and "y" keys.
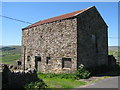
{"x": 64, "y": 16}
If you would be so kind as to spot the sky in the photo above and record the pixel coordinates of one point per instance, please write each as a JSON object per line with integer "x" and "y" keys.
{"x": 36, "y": 11}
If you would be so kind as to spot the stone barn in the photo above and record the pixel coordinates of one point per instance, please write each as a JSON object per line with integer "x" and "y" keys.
{"x": 60, "y": 44}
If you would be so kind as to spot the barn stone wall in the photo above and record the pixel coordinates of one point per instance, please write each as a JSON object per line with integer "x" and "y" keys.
{"x": 52, "y": 41}
{"x": 92, "y": 39}
{"x": 61, "y": 46}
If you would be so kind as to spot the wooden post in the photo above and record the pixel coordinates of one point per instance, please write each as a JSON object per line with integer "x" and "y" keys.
{"x": 24, "y": 56}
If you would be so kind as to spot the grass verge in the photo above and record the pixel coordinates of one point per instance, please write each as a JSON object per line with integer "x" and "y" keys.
{"x": 56, "y": 82}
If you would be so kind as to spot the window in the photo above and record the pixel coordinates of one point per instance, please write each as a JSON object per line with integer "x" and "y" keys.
{"x": 61, "y": 35}
{"x": 47, "y": 60}
{"x": 19, "y": 63}
{"x": 28, "y": 58}
{"x": 94, "y": 41}
{"x": 37, "y": 58}
{"x": 66, "y": 63}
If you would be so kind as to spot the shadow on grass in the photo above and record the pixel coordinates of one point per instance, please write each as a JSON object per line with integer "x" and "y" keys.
{"x": 106, "y": 71}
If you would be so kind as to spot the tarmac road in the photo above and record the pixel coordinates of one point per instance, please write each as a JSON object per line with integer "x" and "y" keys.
{"x": 0, "y": 80}
{"x": 111, "y": 82}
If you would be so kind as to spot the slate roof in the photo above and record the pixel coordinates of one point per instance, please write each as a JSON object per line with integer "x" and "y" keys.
{"x": 64, "y": 16}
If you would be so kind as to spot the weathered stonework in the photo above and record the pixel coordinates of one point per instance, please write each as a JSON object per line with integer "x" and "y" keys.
{"x": 55, "y": 40}
{"x": 62, "y": 45}
{"x": 92, "y": 39}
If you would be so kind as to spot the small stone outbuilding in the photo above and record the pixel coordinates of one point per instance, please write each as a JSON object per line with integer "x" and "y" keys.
{"x": 60, "y": 44}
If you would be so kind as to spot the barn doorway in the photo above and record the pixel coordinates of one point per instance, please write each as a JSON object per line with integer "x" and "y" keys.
{"x": 37, "y": 63}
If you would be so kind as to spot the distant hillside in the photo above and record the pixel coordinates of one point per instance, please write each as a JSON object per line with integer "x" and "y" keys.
{"x": 113, "y": 47}
{"x": 10, "y": 54}
{"x": 8, "y": 48}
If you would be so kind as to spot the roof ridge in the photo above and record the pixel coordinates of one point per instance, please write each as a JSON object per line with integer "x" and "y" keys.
{"x": 60, "y": 17}
{"x": 84, "y": 10}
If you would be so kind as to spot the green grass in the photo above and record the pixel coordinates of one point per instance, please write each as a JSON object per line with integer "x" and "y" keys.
{"x": 56, "y": 82}
{"x": 10, "y": 59}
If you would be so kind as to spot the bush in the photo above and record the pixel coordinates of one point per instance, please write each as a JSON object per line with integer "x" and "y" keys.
{"x": 37, "y": 85}
{"x": 82, "y": 73}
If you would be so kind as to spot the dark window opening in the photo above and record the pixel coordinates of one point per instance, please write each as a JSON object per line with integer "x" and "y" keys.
{"x": 61, "y": 35}
{"x": 47, "y": 60}
{"x": 96, "y": 45}
{"x": 19, "y": 62}
{"x": 66, "y": 63}
{"x": 37, "y": 58}
{"x": 28, "y": 58}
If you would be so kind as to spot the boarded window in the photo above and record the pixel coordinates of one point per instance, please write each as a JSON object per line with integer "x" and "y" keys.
{"x": 28, "y": 58}
{"x": 47, "y": 60}
{"x": 66, "y": 63}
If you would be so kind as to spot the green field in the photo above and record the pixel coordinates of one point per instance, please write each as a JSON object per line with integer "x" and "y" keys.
{"x": 9, "y": 55}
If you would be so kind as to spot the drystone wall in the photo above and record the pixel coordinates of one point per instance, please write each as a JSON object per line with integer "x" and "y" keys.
{"x": 92, "y": 39}
{"x": 17, "y": 79}
{"x": 55, "y": 41}
{"x": 111, "y": 60}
